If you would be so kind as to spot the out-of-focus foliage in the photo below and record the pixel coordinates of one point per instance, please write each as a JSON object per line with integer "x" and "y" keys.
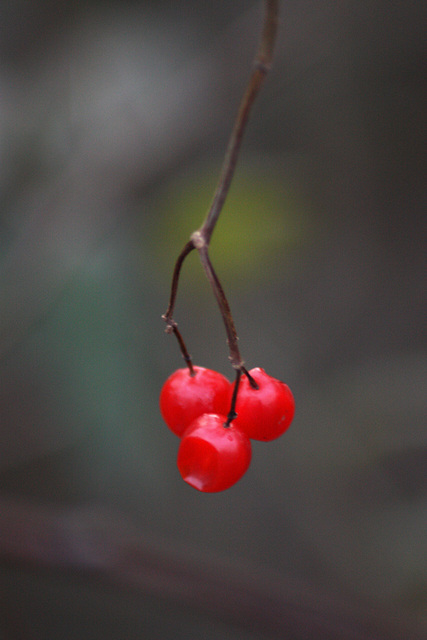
{"x": 263, "y": 221}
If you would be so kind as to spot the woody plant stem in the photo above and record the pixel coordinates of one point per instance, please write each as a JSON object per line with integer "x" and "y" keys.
{"x": 200, "y": 239}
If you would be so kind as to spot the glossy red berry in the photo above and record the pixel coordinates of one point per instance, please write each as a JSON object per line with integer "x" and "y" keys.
{"x": 212, "y": 457}
{"x": 264, "y": 413}
{"x": 184, "y": 397}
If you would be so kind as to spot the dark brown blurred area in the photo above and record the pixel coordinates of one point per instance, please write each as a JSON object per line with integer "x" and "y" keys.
{"x": 114, "y": 118}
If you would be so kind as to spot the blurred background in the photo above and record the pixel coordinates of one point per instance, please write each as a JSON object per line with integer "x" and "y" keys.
{"x": 114, "y": 117}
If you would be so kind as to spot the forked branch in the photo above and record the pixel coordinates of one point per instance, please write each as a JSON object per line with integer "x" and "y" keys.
{"x": 200, "y": 239}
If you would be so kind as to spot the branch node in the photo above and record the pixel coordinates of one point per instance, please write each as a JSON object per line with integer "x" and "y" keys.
{"x": 198, "y": 240}
{"x": 170, "y": 322}
{"x": 261, "y": 66}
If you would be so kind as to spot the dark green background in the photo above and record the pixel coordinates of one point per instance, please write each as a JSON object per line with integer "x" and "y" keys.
{"x": 114, "y": 119}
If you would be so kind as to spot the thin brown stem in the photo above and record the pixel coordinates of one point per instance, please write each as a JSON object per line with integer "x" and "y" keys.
{"x": 230, "y": 329}
{"x": 200, "y": 239}
{"x": 184, "y": 351}
{"x": 172, "y": 326}
{"x": 252, "y": 381}
{"x": 168, "y": 316}
{"x": 232, "y": 413}
{"x": 260, "y": 69}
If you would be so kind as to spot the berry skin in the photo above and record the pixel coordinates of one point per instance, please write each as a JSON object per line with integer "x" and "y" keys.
{"x": 184, "y": 398}
{"x": 264, "y": 413}
{"x": 212, "y": 457}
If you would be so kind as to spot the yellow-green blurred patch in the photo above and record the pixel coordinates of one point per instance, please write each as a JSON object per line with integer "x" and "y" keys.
{"x": 262, "y": 221}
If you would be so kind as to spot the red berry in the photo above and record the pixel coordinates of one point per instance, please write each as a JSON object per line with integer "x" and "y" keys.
{"x": 184, "y": 398}
{"x": 264, "y": 413}
{"x": 212, "y": 457}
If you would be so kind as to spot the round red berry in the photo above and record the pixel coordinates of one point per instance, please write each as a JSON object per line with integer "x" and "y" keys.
{"x": 264, "y": 413}
{"x": 212, "y": 457}
{"x": 185, "y": 397}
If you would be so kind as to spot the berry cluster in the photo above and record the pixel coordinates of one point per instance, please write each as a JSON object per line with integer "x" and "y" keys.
{"x": 215, "y": 419}
{"x": 215, "y": 449}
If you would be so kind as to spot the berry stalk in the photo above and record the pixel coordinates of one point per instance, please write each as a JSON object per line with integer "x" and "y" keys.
{"x": 200, "y": 239}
